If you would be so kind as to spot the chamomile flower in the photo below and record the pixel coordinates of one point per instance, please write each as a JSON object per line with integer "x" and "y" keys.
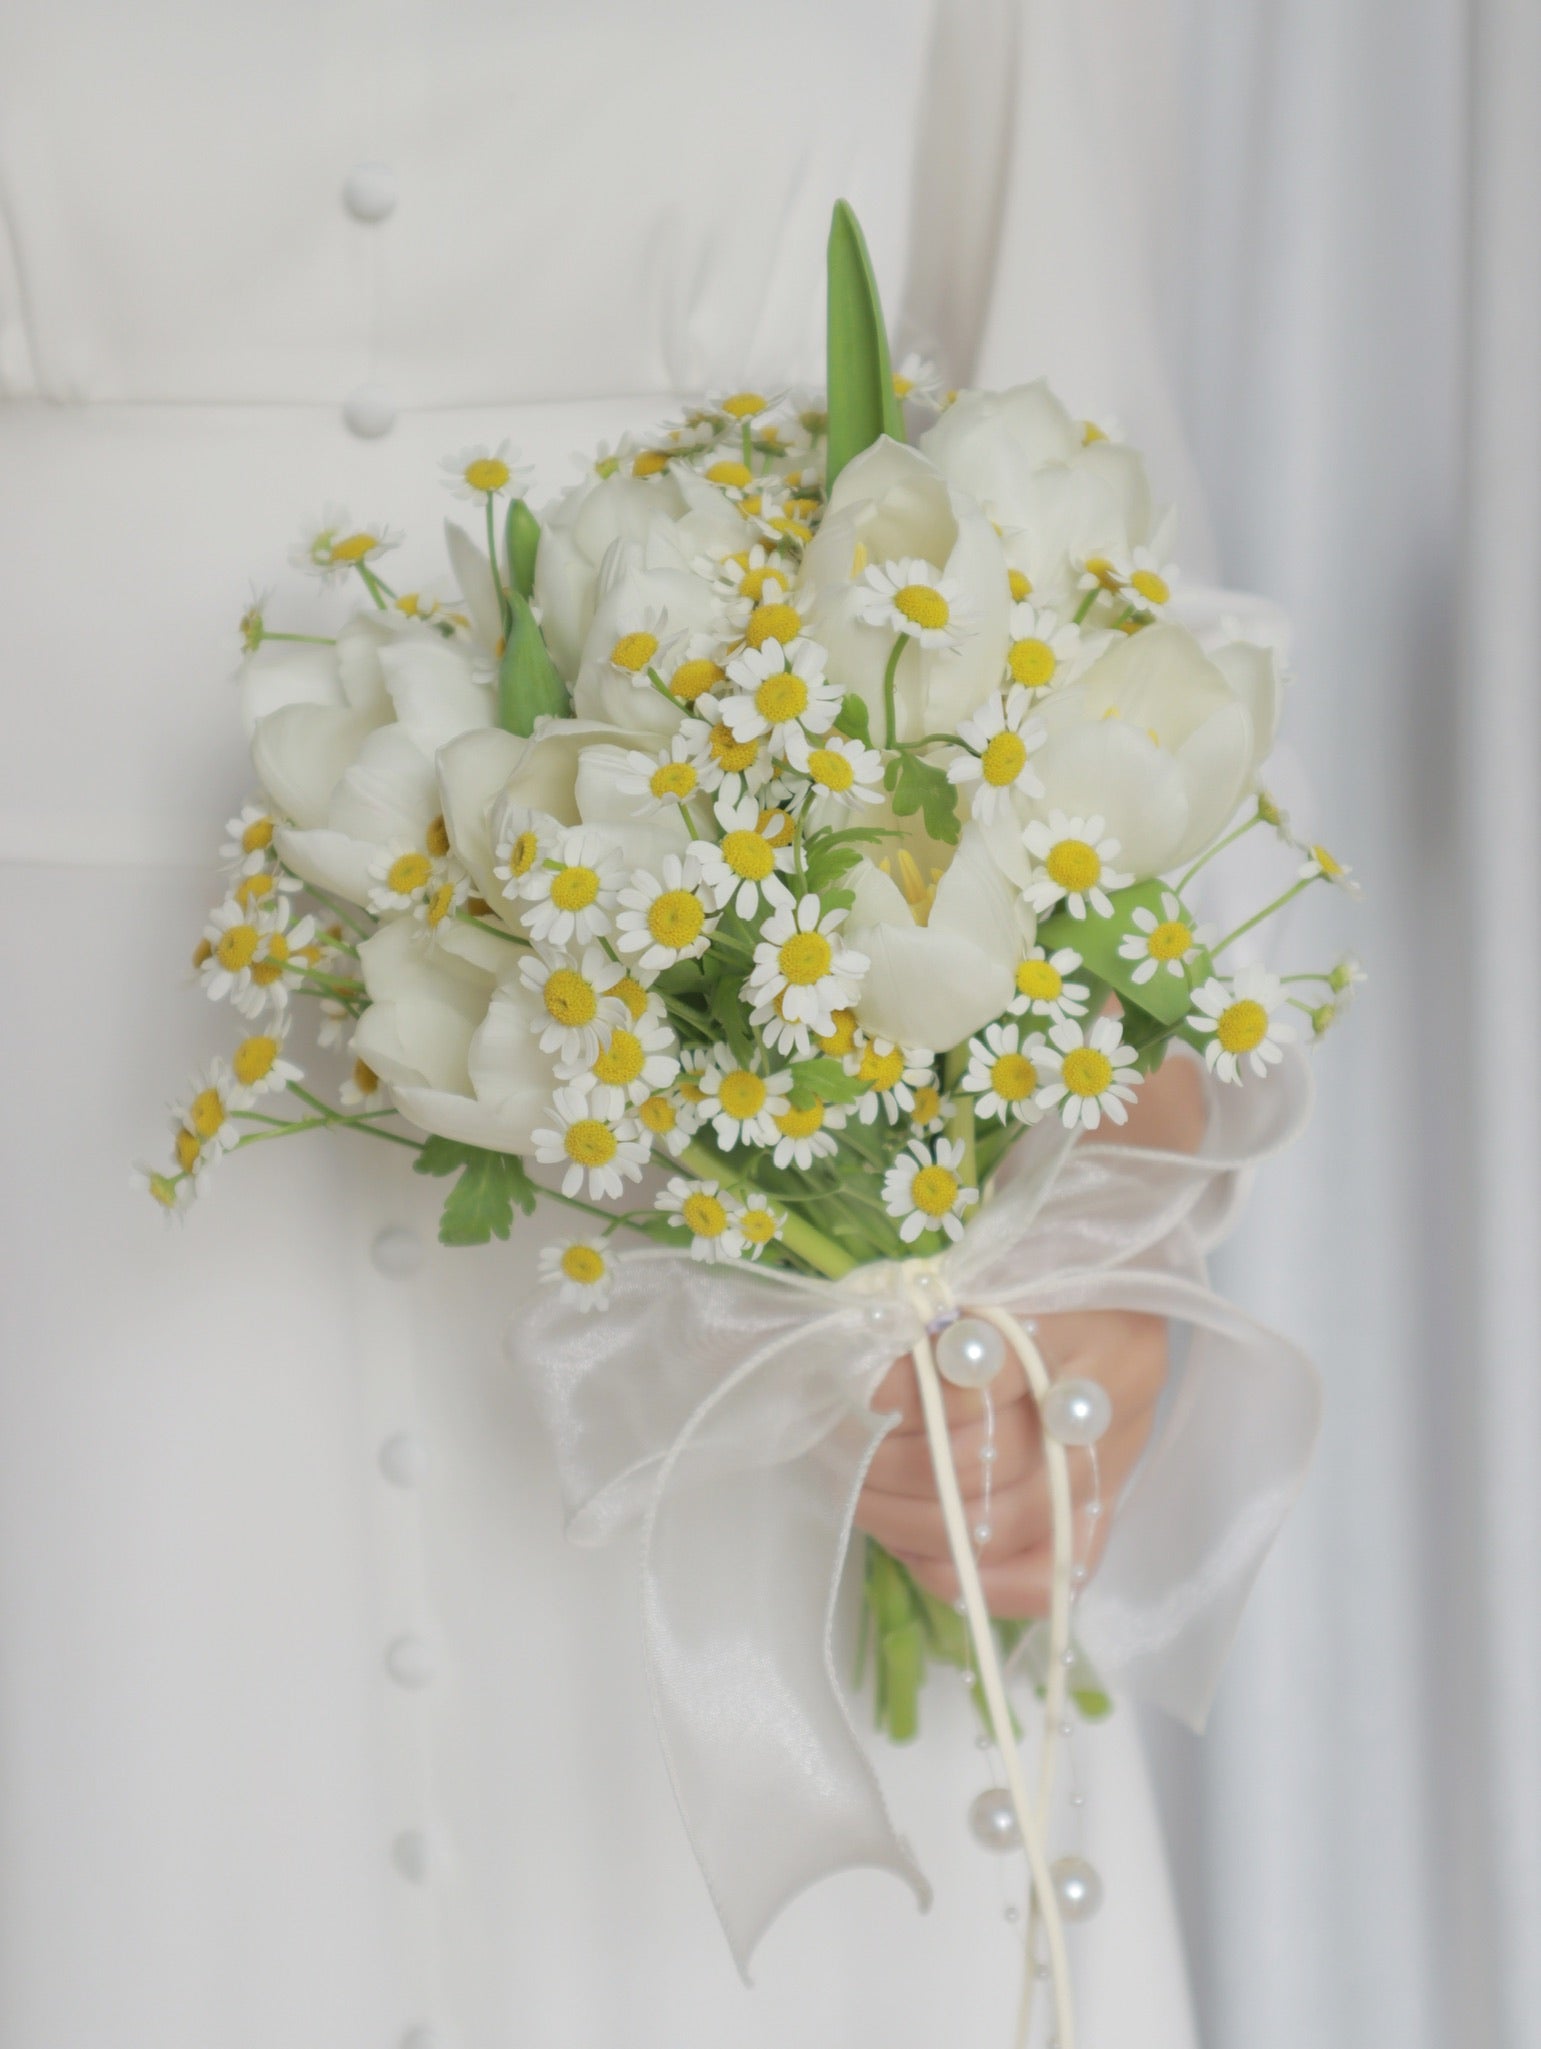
{"x": 333, "y": 545}
{"x": 914, "y": 598}
{"x": 580, "y": 1268}
{"x": 803, "y": 1136}
{"x": 482, "y": 472}
{"x": 263, "y": 883}
{"x": 1042, "y": 652}
{"x": 206, "y": 1113}
{"x": 749, "y": 577}
{"x": 579, "y": 1006}
{"x": 1042, "y": 987}
{"x": 403, "y": 873}
{"x": 363, "y": 1089}
{"x": 1086, "y": 1074}
{"x": 790, "y": 1038}
{"x": 758, "y": 1223}
{"x": 1073, "y": 862}
{"x": 173, "y": 1192}
{"x": 723, "y": 760}
{"x": 741, "y": 406}
{"x": 1244, "y": 1021}
{"x": 255, "y": 953}
{"x": 739, "y": 1104}
{"x": 248, "y": 843}
{"x": 524, "y": 838}
{"x": 670, "y": 1119}
{"x": 605, "y": 1152}
{"x": 701, "y": 1208}
{"x": 802, "y": 959}
{"x": 660, "y": 781}
{"x": 782, "y": 690}
{"x": 931, "y": 1111}
{"x": 1002, "y": 734}
{"x": 640, "y": 1059}
{"x": 690, "y": 668}
{"x": 1006, "y": 1071}
{"x": 918, "y": 381}
{"x": 892, "y": 1075}
{"x": 449, "y": 889}
{"x": 925, "y": 1189}
{"x": 258, "y": 1068}
{"x": 844, "y": 773}
{"x": 745, "y": 866}
{"x": 1319, "y": 861}
{"x": 725, "y": 467}
{"x": 641, "y": 647}
{"x": 773, "y": 619}
{"x": 1147, "y": 580}
{"x": 664, "y": 919}
{"x": 336, "y": 1023}
{"x": 570, "y": 896}
{"x": 1170, "y": 941}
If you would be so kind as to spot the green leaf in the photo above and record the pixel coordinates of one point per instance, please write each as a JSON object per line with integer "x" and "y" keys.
{"x": 1164, "y": 997}
{"x": 920, "y": 786}
{"x": 822, "y": 1079}
{"x": 862, "y": 404}
{"x": 521, "y": 538}
{"x": 481, "y": 1203}
{"x": 528, "y": 684}
{"x": 855, "y": 720}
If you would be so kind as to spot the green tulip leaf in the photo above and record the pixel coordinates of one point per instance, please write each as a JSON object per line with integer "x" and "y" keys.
{"x": 862, "y": 403}
{"x": 521, "y": 538}
{"x": 1163, "y": 996}
{"x": 529, "y": 686}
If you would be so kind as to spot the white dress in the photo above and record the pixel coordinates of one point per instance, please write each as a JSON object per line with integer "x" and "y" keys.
{"x": 312, "y": 1729}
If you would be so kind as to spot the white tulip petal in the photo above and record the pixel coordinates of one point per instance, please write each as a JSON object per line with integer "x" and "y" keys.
{"x": 390, "y": 793}
{"x": 287, "y": 674}
{"x": 331, "y": 860}
{"x": 473, "y": 574}
{"x": 433, "y": 689}
{"x": 472, "y": 771}
{"x": 1115, "y": 771}
{"x": 300, "y": 754}
{"x": 493, "y": 1127}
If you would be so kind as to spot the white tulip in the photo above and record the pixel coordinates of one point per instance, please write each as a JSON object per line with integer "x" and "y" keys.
{"x": 652, "y": 585}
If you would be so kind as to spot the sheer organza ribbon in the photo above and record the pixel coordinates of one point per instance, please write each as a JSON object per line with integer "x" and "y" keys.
{"x": 727, "y": 1412}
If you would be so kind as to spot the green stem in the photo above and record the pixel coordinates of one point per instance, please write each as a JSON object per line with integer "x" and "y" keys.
{"x": 376, "y": 586}
{"x": 309, "y": 639}
{"x": 1219, "y": 847}
{"x": 1078, "y": 617}
{"x": 798, "y": 1235}
{"x": 960, "y": 1124}
{"x": 346, "y": 912}
{"x": 1266, "y": 912}
{"x": 890, "y": 715}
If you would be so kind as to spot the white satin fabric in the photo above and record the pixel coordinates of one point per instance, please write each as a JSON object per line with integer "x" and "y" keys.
{"x": 312, "y": 1727}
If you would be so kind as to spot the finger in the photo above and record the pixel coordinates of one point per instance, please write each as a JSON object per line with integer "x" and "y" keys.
{"x": 899, "y": 1394}
{"x": 902, "y": 1463}
{"x": 1022, "y": 1586}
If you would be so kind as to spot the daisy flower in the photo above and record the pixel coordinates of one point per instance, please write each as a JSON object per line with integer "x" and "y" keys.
{"x": 481, "y": 472}
{"x": 606, "y": 1151}
{"x": 333, "y": 545}
{"x": 579, "y": 1009}
{"x": 699, "y": 1208}
{"x": 571, "y": 895}
{"x": 1168, "y": 942}
{"x": 1003, "y": 734}
{"x": 639, "y": 1060}
{"x": 1320, "y": 862}
{"x": 523, "y": 839}
{"x": 580, "y": 1267}
{"x": 844, "y": 773}
{"x": 172, "y": 1191}
{"x": 1042, "y": 652}
{"x": 744, "y": 867}
{"x": 773, "y": 619}
{"x": 750, "y": 576}
{"x": 892, "y": 1075}
{"x": 254, "y": 954}
{"x": 404, "y": 872}
{"x": 690, "y": 668}
{"x": 918, "y": 380}
{"x": 1243, "y": 1020}
{"x": 931, "y": 1111}
{"x": 925, "y": 1189}
{"x": 802, "y": 960}
{"x": 258, "y": 1068}
{"x": 742, "y": 405}
{"x": 1072, "y": 858}
{"x": 666, "y": 919}
{"x": 722, "y": 759}
{"x": 363, "y": 1090}
{"x": 1087, "y": 1073}
{"x": 660, "y": 781}
{"x": 671, "y": 1120}
{"x": 783, "y": 690}
{"x": 248, "y": 840}
{"x": 804, "y": 1136}
{"x": 1006, "y": 1071}
{"x": 641, "y": 646}
{"x": 739, "y": 1104}
{"x": 791, "y": 1039}
{"x": 725, "y": 467}
{"x": 1043, "y": 991}
{"x": 757, "y": 1223}
{"x": 913, "y": 598}
{"x": 204, "y": 1112}
{"x": 1147, "y": 579}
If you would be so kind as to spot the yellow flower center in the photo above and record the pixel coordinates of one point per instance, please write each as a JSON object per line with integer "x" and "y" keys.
{"x": 437, "y": 839}
{"x": 522, "y": 853}
{"x": 934, "y": 1191}
{"x": 675, "y": 919}
{"x": 365, "y": 1080}
{"x": 1169, "y": 941}
{"x": 800, "y": 1123}
{"x": 1003, "y": 760}
{"x": 631, "y": 993}
{"x": 782, "y": 697}
{"x": 574, "y": 889}
{"x": 1032, "y": 662}
{"x": 1091, "y": 432}
{"x": 258, "y": 834}
{"x": 265, "y": 972}
{"x": 440, "y": 903}
{"x": 1013, "y": 1077}
{"x": 583, "y": 1264}
{"x": 777, "y": 827}
{"x": 1086, "y": 1071}
{"x": 741, "y": 1094}
{"x": 693, "y": 679}
{"x": 202, "y": 952}
{"x": 633, "y": 651}
{"x": 805, "y": 958}
{"x": 704, "y": 1214}
{"x": 675, "y": 779}
{"x": 648, "y": 462}
{"x": 354, "y": 547}
{"x": 187, "y": 1150}
{"x": 206, "y": 1113}
{"x": 903, "y": 386}
{"x": 733, "y": 476}
{"x": 830, "y": 770}
{"x": 569, "y": 998}
{"x": 163, "y": 1190}
{"x": 487, "y": 473}
{"x": 253, "y": 1059}
{"x": 776, "y": 621}
{"x": 1021, "y": 586}
{"x": 842, "y": 1039}
{"x": 753, "y": 581}
{"x": 1242, "y": 1026}
{"x": 1100, "y": 567}
{"x": 658, "y": 1114}
{"x": 1039, "y": 981}
{"x": 621, "y": 1061}
{"x": 881, "y": 1070}
{"x": 1155, "y": 590}
{"x": 590, "y": 1143}
{"x": 407, "y": 873}
{"x": 236, "y": 947}
{"x": 743, "y": 405}
{"x": 922, "y": 606}
{"x": 692, "y": 1091}
{"x": 748, "y": 855}
{"x": 928, "y": 1103}
{"x": 1074, "y": 865}
{"x": 758, "y": 1226}
{"x": 1328, "y": 863}
{"x": 251, "y": 888}
{"x": 730, "y": 754}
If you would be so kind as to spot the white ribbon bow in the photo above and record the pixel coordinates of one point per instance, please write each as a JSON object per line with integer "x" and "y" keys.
{"x": 727, "y": 1410}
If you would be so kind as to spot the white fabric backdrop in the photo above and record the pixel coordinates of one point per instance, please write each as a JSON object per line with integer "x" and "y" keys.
{"x": 1353, "y": 324}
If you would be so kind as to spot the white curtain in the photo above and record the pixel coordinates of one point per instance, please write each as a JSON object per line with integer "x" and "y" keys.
{"x": 1354, "y": 332}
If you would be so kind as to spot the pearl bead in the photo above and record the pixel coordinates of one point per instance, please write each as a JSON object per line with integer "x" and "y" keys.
{"x": 409, "y": 1663}
{"x": 1077, "y": 1411}
{"x": 1077, "y": 1888}
{"x": 970, "y": 1352}
{"x": 983, "y": 1533}
{"x": 403, "y": 1459}
{"x": 369, "y": 192}
{"x": 993, "y": 1821}
{"x": 369, "y": 412}
{"x": 397, "y": 1252}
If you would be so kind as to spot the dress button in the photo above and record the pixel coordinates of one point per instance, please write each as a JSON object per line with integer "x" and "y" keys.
{"x": 369, "y": 192}
{"x": 397, "y": 1252}
{"x": 403, "y": 1459}
{"x": 369, "y": 412}
{"x": 409, "y": 1664}
{"x": 410, "y": 1855}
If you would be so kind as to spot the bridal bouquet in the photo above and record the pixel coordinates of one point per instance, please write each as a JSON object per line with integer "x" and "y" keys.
{"x": 774, "y": 857}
